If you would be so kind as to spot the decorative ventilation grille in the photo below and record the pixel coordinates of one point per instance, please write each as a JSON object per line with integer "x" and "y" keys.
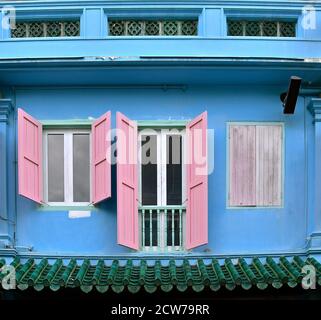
{"x": 152, "y": 28}
{"x": 47, "y": 29}
{"x": 253, "y": 28}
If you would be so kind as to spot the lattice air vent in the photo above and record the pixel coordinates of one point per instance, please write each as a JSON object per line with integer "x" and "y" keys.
{"x": 259, "y": 28}
{"x": 49, "y": 29}
{"x": 153, "y": 28}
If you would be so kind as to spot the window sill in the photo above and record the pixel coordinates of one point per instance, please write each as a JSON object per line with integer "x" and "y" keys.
{"x": 46, "y": 207}
{"x": 254, "y": 207}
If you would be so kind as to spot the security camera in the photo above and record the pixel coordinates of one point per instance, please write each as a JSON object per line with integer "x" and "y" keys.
{"x": 290, "y": 97}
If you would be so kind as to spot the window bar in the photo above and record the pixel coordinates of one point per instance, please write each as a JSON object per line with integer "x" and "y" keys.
{"x": 173, "y": 227}
{"x": 143, "y": 227}
{"x": 165, "y": 227}
{"x": 44, "y": 27}
{"x": 278, "y": 29}
{"x": 161, "y": 25}
{"x": 158, "y": 228}
{"x": 180, "y": 228}
{"x": 27, "y": 30}
{"x": 261, "y": 29}
{"x": 150, "y": 228}
{"x": 126, "y": 28}
{"x": 179, "y": 27}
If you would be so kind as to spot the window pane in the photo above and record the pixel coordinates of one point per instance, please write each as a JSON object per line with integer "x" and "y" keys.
{"x": 56, "y": 168}
{"x": 149, "y": 170}
{"x": 81, "y": 168}
{"x": 174, "y": 169}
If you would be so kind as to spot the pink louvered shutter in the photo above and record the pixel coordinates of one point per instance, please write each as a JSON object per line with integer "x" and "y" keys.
{"x": 29, "y": 157}
{"x": 197, "y": 176}
{"x": 127, "y": 183}
{"x": 242, "y": 167}
{"x": 101, "y": 156}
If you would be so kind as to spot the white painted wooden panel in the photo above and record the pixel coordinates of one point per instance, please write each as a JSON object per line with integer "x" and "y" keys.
{"x": 269, "y": 165}
{"x": 242, "y": 164}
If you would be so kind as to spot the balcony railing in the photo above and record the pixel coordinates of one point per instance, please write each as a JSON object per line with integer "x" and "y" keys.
{"x": 162, "y": 228}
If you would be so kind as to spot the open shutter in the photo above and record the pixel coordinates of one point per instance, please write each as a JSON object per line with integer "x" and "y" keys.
{"x": 268, "y": 165}
{"x": 127, "y": 183}
{"x": 242, "y": 165}
{"x": 197, "y": 176}
{"x": 101, "y": 155}
{"x": 29, "y": 157}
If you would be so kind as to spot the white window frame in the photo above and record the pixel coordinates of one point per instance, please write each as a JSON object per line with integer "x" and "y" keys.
{"x": 68, "y": 166}
{"x": 161, "y": 134}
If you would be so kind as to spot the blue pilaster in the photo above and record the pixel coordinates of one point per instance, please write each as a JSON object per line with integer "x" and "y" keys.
{"x": 315, "y": 233}
{"x": 211, "y": 22}
{"x": 94, "y": 23}
{"x": 5, "y": 13}
{"x": 5, "y": 109}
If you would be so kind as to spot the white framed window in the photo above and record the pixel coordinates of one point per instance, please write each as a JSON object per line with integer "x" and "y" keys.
{"x": 66, "y": 163}
{"x": 162, "y": 189}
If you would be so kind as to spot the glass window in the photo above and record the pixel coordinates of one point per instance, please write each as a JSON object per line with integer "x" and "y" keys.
{"x": 162, "y": 190}
{"x": 56, "y": 167}
{"x": 149, "y": 169}
{"x": 67, "y": 167}
{"x": 174, "y": 170}
{"x": 81, "y": 168}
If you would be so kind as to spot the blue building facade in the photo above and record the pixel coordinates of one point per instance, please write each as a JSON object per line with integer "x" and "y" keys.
{"x": 66, "y": 63}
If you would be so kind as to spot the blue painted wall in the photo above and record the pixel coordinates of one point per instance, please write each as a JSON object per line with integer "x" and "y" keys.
{"x": 230, "y": 230}
{"x": 229, "y": 90}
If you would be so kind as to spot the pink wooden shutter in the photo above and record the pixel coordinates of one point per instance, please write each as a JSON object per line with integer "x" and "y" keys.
{"x": 127, "y": 183}
{"x": 268, "y": 165}
{"x": 197, "y": 193}
{"x": 29, "y": 157}
{"x": 242, "y": 165}
{"x": 101, "y": 138}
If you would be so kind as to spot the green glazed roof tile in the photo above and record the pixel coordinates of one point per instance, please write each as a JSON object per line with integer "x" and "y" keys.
{"x": 2, "y": 262}
{"x": 52, "y": 272}
{"x": 120, "y": 276}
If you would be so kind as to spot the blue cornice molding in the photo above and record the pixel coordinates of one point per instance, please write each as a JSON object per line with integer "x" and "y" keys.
{"x": 257, "y": 3}
{"x": 5, "y": 108}
{"x": 314, "y": 107}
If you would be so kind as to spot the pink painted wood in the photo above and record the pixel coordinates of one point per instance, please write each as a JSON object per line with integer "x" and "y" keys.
{"x": 242, "y": 165}
{"x": 127, "y": 182}
{"x": 29, "y": 157}
{"x": 101, "y": 158}
{"x": 268, "y": 165}
{"x": 197, "y": 176}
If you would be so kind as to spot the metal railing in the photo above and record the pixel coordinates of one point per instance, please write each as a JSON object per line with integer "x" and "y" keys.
{"x": 162, "y": 228}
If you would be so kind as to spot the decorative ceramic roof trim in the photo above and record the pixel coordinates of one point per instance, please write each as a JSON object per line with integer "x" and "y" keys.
{"x": 137, "y": 274}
